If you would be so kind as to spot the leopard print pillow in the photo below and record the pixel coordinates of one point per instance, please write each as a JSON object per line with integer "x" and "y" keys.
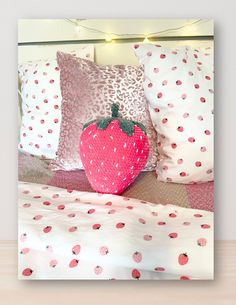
{"x": 88, "y": 90}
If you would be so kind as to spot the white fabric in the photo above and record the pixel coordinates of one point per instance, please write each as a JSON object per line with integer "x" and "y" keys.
{"x": 179, "y": 87}
{"x": 135, "y": 233}
{"x": 41, "y": 104}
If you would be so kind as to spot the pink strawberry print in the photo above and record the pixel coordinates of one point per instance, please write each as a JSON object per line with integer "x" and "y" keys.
{"x": 184, "y": 278}
{"x": 173, "y": 235}
{"x": 183, "y": 259}
{"x": 202, "y": 242}
{"x": 103, "y": 250}
{"x": 24, "y": 251}
{"x": 142, "y": 221}
{"x": 47, "y": 229}
{"x": 27, "y": 272}
{"x": 205, "y": 226}
{"x": 113, "y": 151}
{"x": 72, "y": 229}
{"x": 161, "y": 223}
{"x": 197, "y": 215}
{"x": 76, "y": 249}
{"x": 120, "y": 225}
{"x": 137, "y": 257}
{"x": 147, "y": 237}
{"x": 91, "y": 211}
{"x": 61, "y": 207}
{"x": 26, "y": 205}
{"x": 96, "y": 226}
{"x": 159, "y": 269}
{"x": 53, "y": 263}
{"x": 136, "y": 274}
{"x": 73, "y": 263}
{"x": 98, "y": 270}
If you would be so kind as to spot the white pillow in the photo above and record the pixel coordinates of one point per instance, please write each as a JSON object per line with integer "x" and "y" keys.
{"x": 41, "y": 104}
{"x": 179, "y": 88}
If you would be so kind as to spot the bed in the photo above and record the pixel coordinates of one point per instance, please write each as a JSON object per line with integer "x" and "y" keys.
{"x": 161, "y": 226}
{"x": 66, "y": 231}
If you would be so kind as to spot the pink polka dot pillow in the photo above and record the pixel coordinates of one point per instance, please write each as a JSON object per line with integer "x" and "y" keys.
{"x": 179, "y": 88}
{"x": 41, "y": 104}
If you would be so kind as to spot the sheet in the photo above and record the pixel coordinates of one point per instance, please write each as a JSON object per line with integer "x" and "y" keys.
{"x": 68, "y": 234}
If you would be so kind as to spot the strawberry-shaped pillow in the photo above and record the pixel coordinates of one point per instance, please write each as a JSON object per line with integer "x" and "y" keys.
{"x": 113, "y": 151}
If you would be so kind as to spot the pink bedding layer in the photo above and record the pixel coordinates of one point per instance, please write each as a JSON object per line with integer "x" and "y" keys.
{"x": 146, "y": 187}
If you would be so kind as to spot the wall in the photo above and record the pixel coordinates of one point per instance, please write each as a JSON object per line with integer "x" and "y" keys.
{"x": 105, "y": 53}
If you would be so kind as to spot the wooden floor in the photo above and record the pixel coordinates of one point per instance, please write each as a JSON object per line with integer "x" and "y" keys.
{"x": 221, "y": 291}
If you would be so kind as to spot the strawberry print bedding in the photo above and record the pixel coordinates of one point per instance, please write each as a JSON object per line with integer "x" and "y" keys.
{"x": 65, "y": 234}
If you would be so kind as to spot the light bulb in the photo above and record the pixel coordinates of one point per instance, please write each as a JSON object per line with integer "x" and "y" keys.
{"x": 146, "y": 40}
{"x": 108, "y": 38}
{"x": 77, "y": 29}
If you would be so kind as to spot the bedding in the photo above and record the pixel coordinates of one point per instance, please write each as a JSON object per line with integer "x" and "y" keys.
{"x": 146, "y": 186}
{"x": 88, "y": 90}
{"x": 179, "y": 89}
{"x": 41, "y": 104}
{"x": 65, "y": 234}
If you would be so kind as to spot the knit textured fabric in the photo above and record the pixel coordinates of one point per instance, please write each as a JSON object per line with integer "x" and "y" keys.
{"x": 112, "y": 159}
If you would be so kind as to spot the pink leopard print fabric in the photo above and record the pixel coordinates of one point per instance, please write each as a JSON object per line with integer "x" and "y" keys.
{"x": 88, "y": 90}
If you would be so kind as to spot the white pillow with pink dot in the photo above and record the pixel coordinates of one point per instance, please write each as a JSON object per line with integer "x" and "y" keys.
{"x": 179, "y": 88}
{"x": 41, "y": 104}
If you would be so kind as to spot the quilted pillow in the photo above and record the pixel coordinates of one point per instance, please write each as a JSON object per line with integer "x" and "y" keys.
{"x": 41, "y": 104}
{"x": 88, "y": 90}
{"x": 179, "y": 88}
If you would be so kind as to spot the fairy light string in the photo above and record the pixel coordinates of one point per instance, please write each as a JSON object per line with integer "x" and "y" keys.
{"x": 110, "y": 36}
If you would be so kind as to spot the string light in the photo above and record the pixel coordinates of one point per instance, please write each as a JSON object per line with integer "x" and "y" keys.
{"x": 108, "y": 38}
{"x": 77, "y": 29}
{"x": 186, "y": 28}
{"x": 146, "y": 40}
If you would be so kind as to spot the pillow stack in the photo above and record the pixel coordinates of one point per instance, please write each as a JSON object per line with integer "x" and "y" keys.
{"x": 171, "y": 94}
{"x": 41, "y": 104}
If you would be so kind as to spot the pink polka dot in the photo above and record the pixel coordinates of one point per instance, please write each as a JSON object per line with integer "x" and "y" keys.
{"x": 186, "y": 115}
{"x": 173, "y": 145}
{"x": 191, "y": 139}
{"x": 164, "y": 121}
{"x": 164, "y": 83}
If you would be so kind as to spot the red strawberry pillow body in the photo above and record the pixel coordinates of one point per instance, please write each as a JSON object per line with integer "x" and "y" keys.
{"x": 113, "y": 152}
